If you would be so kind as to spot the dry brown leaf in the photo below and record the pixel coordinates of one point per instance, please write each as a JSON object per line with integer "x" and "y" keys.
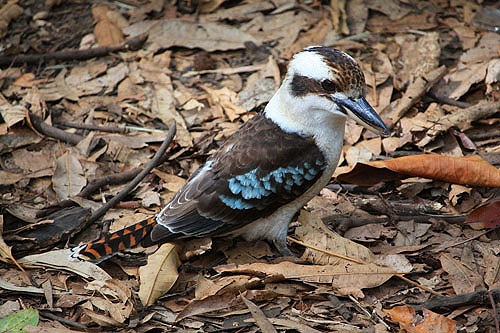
{"x": 68, "y": 179}
{"x": 226, "y": 101}
{"x": 463, "y": 279}
{"x": 12, "y": 114}
{"x": 394, "y": 9}
{"x": 27, "y": 80}
{"x": 9, "y": 178}
{"x": 102, "y": 320}
{"x": 159, "y": 274}
{"x": 60, "y": 260}
{"x": 418, "y": 58}
{"x": 465, "y": 33}
{"x": 382, "y": 24}
{"x": 8, "y": 12}
{"x": 486, "y": 49}
{"x": 468, "y": 170}
{"x": 492, "y": 268}
{"x": 283, "y": 28}
{"x": 163, "y": 106}
{"x": 314, "y": 36}
{"x": 413, "y": 323}
{"x": 107, "y": 32}
{"x": 339, "y": 16}
{"x": 293, "y": 325}
{"x": 208, "y": 304}
{"x": 487, "y": 216}
{"x": 346, "y": 278}
{"x": 260, "y": 318}
{"x": 117, "y": 301}
{"x": 241, "y": 13}
{"x": 355, "y": 155}
{"x": 458, "y": 82}
{"x": 314, "y": 232}
{"x": 5, "y": 250}
{"x": 208, "y": 6}
{"x": 207, "y": 36}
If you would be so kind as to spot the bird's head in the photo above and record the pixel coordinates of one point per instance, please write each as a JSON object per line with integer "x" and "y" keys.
{"x": 324, "y": 83}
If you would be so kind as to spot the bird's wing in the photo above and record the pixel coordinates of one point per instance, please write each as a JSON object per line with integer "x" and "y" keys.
{"x": 258, "y": 169}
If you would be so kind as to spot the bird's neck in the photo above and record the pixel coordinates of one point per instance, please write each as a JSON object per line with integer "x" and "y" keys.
{"x": 293, "y": 115}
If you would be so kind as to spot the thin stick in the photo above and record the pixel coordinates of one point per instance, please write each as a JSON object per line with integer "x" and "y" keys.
{"x": 333, "y": 254}
{"x": 63, "y": 320}
{"x": 446, "y": 100}
{"x": 419, "y": 285}
{"x": 150, "y": 166}
{"x": 132, "y": 44}
{"x": 439, "y": 249}
{"x": 53, "y": 132}
{"x": 109, "y": 129}
{"x": 91, "y": 188}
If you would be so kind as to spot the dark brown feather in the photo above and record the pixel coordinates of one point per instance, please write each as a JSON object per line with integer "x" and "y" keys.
{"x": 259, "y": 146}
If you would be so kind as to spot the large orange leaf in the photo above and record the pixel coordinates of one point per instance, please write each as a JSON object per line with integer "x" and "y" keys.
{"x": 428, "y": 321}
{"x": 469, "y": 170}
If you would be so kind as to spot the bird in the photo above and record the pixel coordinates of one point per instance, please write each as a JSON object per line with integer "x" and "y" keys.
{"x": 267, "y": 170}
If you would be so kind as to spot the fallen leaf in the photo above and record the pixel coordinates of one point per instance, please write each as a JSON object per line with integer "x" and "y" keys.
{"x": 416, "y": 323}
{"x": 225, "y": 100}
{"x": 106, "y": 31}
{"x": 102, "y": 320}
{"x": 394, "y": 9}
{"x": 68, "y": 179}
{"x": 468, "y": 170}
{"x": 11, "y": 114}
{"x": 9, "y": 178}
{"x": 260, "y": 318}
{"x": 60, "y": 260}
{"x": 347, "y": 278}
{"x": 463, "y": 279}
{"x": 17, "y": 321}
{"x": 207, "y": 36}
{"x": 314, "y": 232}
{"x": 163, "y": 107}
{"x": 491, "y": 264}
{"x": 160, "y": 273}
{"x": 487, "y": 216}
{"x": 418, "y": 57}
{"x": 486, "y": 49}
{"x": 208, "y": 304}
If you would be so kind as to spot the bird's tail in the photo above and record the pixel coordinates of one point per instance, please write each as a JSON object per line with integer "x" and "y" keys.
{"x": 127, "y": 238}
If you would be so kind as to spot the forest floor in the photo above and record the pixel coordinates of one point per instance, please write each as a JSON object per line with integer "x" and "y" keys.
{"x": 405, "y": 236}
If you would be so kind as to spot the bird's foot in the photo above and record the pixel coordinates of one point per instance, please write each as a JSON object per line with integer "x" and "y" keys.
{"x": 282, "y": 248}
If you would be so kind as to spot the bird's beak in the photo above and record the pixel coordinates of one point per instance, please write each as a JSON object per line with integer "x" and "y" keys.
{"x": 364, "y": 114}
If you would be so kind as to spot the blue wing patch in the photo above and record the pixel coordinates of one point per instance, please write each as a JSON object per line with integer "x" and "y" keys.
{"x": 251, "y": 185}
{"x": 235, "y": 203}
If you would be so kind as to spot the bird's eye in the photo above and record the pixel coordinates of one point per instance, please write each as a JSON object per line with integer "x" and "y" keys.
{"x": 328, "y": 85}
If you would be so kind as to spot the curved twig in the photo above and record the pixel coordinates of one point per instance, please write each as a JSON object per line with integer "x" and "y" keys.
{"x": 157, "y": 159}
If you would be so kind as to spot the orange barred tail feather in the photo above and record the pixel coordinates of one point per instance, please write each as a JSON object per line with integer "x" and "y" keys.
{"x": 127, "y": 238}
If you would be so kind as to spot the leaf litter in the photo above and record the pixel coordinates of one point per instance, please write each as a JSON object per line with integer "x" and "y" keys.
{"x": 415, "y": 214}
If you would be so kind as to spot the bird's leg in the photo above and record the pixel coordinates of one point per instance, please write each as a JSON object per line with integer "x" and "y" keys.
{"x": 280, "y": 244}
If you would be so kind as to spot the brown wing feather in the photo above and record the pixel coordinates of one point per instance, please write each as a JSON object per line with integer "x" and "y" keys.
{"x": 258, "y": 169}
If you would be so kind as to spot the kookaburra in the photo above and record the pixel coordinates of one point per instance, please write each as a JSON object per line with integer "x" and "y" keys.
{"x": 255, "y": 183}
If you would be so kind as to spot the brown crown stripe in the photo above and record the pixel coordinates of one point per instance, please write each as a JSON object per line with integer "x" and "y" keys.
{"x": 345, "y": 70}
